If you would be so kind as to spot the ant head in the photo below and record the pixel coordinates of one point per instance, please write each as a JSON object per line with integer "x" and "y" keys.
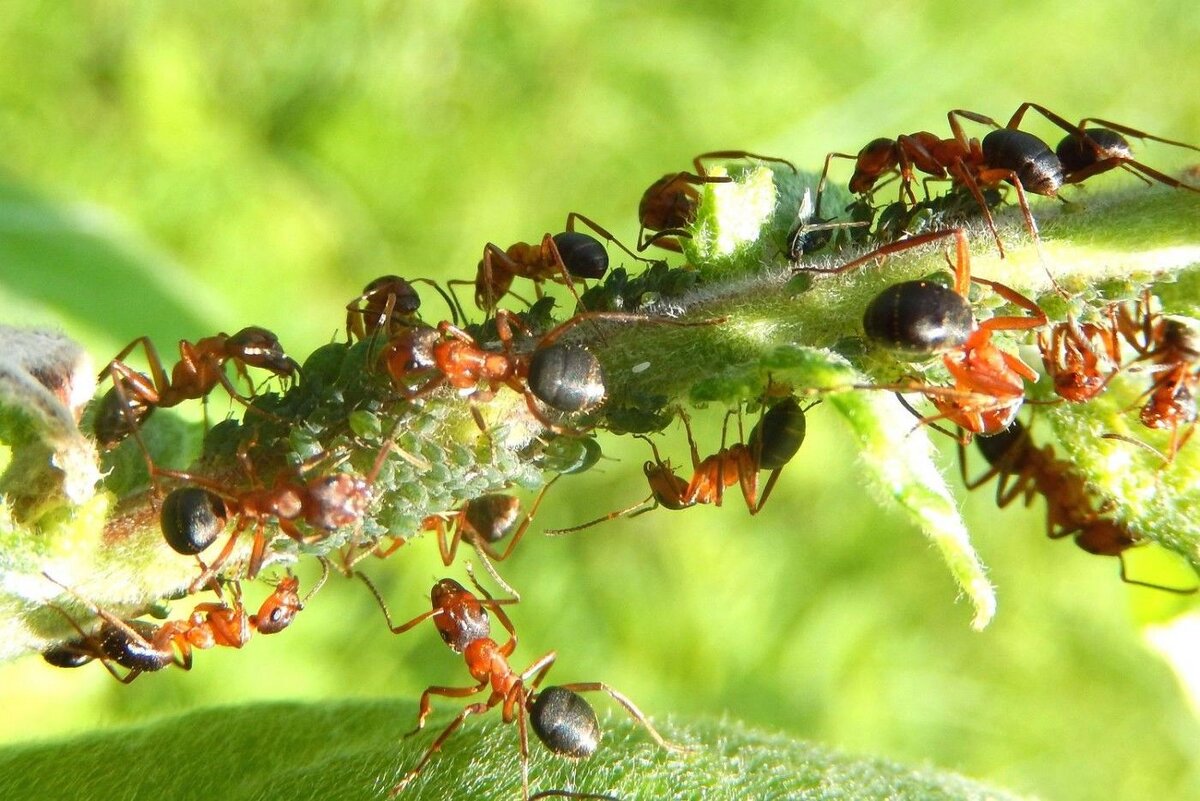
{"x": 117, "y": 417}
{"x": 258, "y": 347}
{"x": 279, "y": 609}
{"x": 459, "y": 617}
{"x": 340, "y": 500}
{"x": 405, "y": 298}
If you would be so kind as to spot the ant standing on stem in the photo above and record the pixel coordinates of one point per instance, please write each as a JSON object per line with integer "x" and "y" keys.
{"x": 773, "y": 441}
{"x": 669, "y": 205}
{"x": 462, "y": 621}
{"x": 143, "y": 647}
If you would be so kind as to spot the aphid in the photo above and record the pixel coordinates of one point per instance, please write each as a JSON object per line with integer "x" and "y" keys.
{"x": 773, "y": 442}
{"x": 140, "y": 646}
{"x": 669, "y": 205}
{"x": 563, "y": 376}
{"x": 201, "y": 367}
{"x": 1023, "y": 470}
{"x": 559, "y": 257}
{"x": 462, "y": 621}
{"x": 389, "y": 304}
{"x": 922, "y": 318}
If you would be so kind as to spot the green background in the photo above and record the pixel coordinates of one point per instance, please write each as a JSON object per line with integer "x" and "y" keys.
{"x": 259, "y": 163}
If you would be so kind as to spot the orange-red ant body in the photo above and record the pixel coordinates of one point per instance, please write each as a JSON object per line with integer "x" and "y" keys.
{"x": 1170, "y": 347}
{"x": 462, "y": 621}
{"x": 143, "y": 647}
{"x": 669, "y": 205}
{"x": 1081, "y": 358}
{"x": 564, "y": 377}
{"x": 1024, "y": 470}
{"x": 201, "y": 367}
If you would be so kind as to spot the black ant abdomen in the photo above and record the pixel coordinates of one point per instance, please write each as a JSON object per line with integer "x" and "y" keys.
{"x": 192, "y": 518}
{"x": 565, "y": 723}
{"x": 566, "y": 377}
{"x": 919, "y": 317}
{"x": 1038, "y": 169}
{"x": 583, "y": 256}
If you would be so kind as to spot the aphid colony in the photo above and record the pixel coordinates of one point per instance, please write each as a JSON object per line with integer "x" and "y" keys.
{"x": 562, "y": 386}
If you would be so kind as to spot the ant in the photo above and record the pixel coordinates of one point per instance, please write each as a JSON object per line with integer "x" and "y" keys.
{"x": 328, "y": 502}
{"x": 1004, "y": 155}
{"x": 669, "y": 205}
{"x": 389, "y": 304}
{"x": 560, "y": 257}
{"x": 1025, "y": 470}
{"x": 143, "y": 647}
{"x": 773, "y": 441}
{"x": 201, "y": 366}
{"x": 462, "y": 621}
{"x": 1081, "y": 358}
{"x": 1170, "y": 346}
{"x": 923, "y": 318}
{"x": 565, "y": 377}
{"x": 481, "y": 522}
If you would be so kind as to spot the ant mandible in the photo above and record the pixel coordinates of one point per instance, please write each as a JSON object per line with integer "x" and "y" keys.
{"x": 201, "y": 367}
{"x": 669, "y": 205}
{"x": 462, "y": 621}
{"x": 1023, "y": 469}
{"x": 924, "y": 318}
{"x": 773, "y": 441}
{"x": 559, "y": 257}
{"x": 143, "y": 647}
{"x": 565, "y": 377}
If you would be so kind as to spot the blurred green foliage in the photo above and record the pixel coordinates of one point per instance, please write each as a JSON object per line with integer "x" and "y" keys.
{"x": 264, "y": 162}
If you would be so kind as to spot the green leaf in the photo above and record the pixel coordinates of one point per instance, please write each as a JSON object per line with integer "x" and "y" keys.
{"x": 355, "y": 750}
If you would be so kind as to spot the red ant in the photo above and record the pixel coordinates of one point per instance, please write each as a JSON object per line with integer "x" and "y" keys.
{"x": 327, "y": 502}
{"x": 1025, "y": 470}
{"x": 1081, "y": 358}
{"x": 201, "y": 367}
{"x": 925, "y": 318}
{"x": 669, "y": 205}
{"x": 773, "y": 441}
{"x": 565, "y": 377}
{"x": 559, "y": 257}
{"x": 480, "y": 522}
{"x": 1171, "y": 348}
{"x": 143, "y": 647}
{"x": 388, "y": 304}
{"x": 1004, "y": 155}
{"x": 462, "y": 621}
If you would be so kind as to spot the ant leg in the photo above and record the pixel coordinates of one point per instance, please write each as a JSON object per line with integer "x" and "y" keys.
{"x": 618, "y": 317}
{"x": 501, "y": 615}
{"x": 733, "y": 154}
{"x": 1136, "y": 167}
{"x": 473, "y": 709}
{"x": 1075, "y": 130}
{"x": 1137, "y": 583}
{"x": 630, "y": 511}
{"x": 1134, "y": 132}
{"x": 426, "y": 705}
{"x": 403, "y": 627}
{"x": 662, "y": 239}
{"x": 824, "y": 174}
{"x": 884, "y": 251}
{"x": 630, "y": 707}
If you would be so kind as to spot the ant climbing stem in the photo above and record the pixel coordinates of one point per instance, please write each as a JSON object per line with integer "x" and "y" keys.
{"x": 461, "y": 619}
{"x": 670, "y": 204}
